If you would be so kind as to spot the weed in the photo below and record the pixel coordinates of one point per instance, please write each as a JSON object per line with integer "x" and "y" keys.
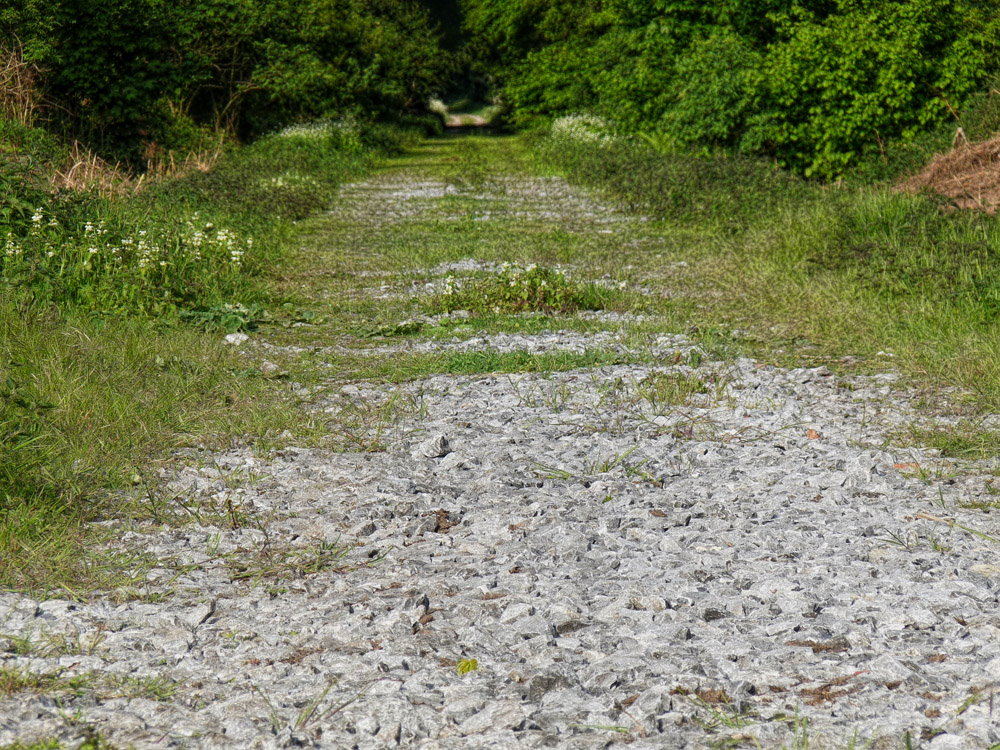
{"x": 314, "y": 712}
{"x": 604, "y": 465}
{"x": 953, "y": 524}
{"x": 967, "y": 439}
{"x": 663, "y": 391}
{"x": 604, "y": 728}
{"x": 154, "y": 688}
{"x": 517, "y": 289}
{"x": 227, "y": 317}
{"x": 270, "y": 562}
{"x": 14, "y": 680}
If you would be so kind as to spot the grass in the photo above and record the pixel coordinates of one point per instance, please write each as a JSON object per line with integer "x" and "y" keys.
{"x": 813, "y": 273}
{"x": 741, "y": 258}
{"x": 112, "y": 309}
{"x": 95, "y": 403}
{"x": 86, "y": 405}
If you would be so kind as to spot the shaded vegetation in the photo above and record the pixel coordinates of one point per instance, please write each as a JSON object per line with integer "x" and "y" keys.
{"x": 131, "y": 77}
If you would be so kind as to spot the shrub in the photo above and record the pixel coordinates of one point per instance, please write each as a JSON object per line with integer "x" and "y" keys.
{"x": 713, "y": 92}
{"x": 846, "y": 84}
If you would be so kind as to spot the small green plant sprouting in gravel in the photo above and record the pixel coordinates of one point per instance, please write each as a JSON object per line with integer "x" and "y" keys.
{"x": 516, "y": 289}
{"x": 155, "y": 688}
{"x": 14, "y": 680}
{"x": 663, "y": 390}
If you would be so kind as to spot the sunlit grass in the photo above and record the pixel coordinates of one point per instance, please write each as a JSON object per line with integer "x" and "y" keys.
{"x": 883, "y": 278}
{"x": 86, "y": 405}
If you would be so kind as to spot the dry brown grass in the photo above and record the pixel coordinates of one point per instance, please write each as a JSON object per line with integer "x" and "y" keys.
{"x": 19, "y": 95}
{"x": 21, "y": 101}
{"x": 87, "y": 172}
{"x": 968, "y": 175}
{"x": 165, "y": 164}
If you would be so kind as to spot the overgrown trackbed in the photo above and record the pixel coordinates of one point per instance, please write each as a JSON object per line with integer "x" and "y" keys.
{"x": 541, "y": 531}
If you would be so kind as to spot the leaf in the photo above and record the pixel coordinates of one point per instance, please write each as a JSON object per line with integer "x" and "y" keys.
{"x": 467, "y": 665}
{"x": 813, "y": 435}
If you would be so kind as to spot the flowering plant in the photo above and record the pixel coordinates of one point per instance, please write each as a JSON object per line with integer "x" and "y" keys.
{"x": 106, "y": 268}
{"x": 518, "y": 288}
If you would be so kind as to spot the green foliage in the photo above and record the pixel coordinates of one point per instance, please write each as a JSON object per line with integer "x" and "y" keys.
{"x": 24, "y": 155}
{"x": 844, "y": 85}
{"x": 896, "y": 246}
{"x": 713, "y": 92}
{"x": 227, "y": 317}
{"x": 23, "y": 429}
{"x": 109, "y": 66}
{"x": 115, "y": 72}
{"x": 112, "y": 266}
{"x": 634, "y": 87}
{"x": 552, "y": 80}
{"x": 728, "y": 193}
{"x": 899, "y": 254}
{"x": 193, "y": 244}
{"x": 820, "y": 85}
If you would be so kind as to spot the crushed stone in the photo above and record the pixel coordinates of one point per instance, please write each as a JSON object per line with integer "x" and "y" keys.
{"x": 608, "y": 558}
{"x": 677, "y": 553}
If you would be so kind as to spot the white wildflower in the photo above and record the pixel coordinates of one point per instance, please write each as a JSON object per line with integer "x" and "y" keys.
{"x": 11, "y": 249}
{"x": 584, "y": 128}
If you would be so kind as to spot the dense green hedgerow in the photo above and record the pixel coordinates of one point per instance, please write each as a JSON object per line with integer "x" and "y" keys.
{"x": 819, "y": 87}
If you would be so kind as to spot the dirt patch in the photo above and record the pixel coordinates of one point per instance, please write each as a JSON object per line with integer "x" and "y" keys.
{"x": 968, "y": 175}
{"x": 466, "y": 121}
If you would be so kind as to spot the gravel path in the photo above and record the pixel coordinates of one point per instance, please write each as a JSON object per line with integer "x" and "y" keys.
{"x": 683, "y": 553}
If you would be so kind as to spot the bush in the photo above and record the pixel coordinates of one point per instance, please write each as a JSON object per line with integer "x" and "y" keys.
{"x": 820, "y": 85}
{"x": 842, "y": 86}
{"x": 713, "y": 92}
{"x": 120, "y": 74}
